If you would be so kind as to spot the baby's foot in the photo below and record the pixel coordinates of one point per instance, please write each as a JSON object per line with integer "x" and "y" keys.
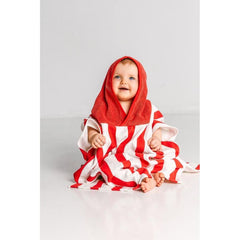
{"x": 148, "y": 184}
{"x": 159, "y": 178}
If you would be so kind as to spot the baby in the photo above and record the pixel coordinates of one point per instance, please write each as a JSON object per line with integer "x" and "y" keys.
{"x": 125, "y": 86}
{"x": 125, "y": 142}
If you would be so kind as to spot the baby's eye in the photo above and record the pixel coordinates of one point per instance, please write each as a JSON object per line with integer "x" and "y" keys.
{"x": 132, "y": 78}
{"x": 117, "y": 77}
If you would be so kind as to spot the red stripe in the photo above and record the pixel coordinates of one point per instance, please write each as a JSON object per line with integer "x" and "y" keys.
{"x": 120, "y": 182}
{"x": 76, "y": 185}
{"x": 92, "y": 178}
{"x": 106, "y": 170}
{"x": 198, "y": 167}
{"x": 98, "y": 185}
{"x": 137, "y": 187}
{"x": 112, "y": 135}
{"x": 131, "y": 169}
{"x": 174, "y": 173}
{"x": 126, "y": 163}
{"x": 178, "y": 164}
{"x": 116, "y": 188}
{"x": 140, "y": 149}
{"x": 159, "y": 155}
{"x": 89, "y": 154}
{"x": 158, "y": 167}
{"x": 99, "y": 153}
{"x": 144, "y": 171}
{"x": 155, "y": 122}
{"x": 85, "y": 121}
{"x": 171, "y": 145}
{"x": 77, "y": 174}
{"x": 157, "y": 115}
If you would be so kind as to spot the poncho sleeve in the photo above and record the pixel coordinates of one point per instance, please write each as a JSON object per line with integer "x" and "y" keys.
{"x": 169, "y": 133}
{"x": 83, "y": 145}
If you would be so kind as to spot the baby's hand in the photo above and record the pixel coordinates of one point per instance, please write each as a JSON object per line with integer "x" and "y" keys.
{"x": 97, "y": 140}
{"x": 155, "y": 144}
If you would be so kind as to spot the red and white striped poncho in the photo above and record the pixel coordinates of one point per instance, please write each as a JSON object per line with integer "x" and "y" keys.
{"x": 126, "y": 159}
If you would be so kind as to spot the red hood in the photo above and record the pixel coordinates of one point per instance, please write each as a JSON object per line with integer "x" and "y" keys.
{"x": 107, "y": 108}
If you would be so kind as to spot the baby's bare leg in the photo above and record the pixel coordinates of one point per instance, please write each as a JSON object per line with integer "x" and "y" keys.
{"x": 148, "y": 184}
{"x": 159, "y": 178}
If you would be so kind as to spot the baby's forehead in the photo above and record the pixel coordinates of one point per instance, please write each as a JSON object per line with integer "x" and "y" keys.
{"x": 129, "y": 68}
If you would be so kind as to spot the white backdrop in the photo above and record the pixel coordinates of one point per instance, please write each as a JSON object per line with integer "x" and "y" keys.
{"x": 80, "y": 40}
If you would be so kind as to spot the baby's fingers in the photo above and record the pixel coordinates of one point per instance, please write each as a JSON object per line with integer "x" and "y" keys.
{"x": 154, "y": 145}
{"x": 94, "y": 145}
{"x": 99, "y": 141}
{"x": 149, "y": 141}
{"x": 103, "y": 139}
{"x": 155, "y": 149}
{"x": 97, "y": 145}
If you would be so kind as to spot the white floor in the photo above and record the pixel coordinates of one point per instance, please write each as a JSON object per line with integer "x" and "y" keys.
{"x": 169, "y": 212}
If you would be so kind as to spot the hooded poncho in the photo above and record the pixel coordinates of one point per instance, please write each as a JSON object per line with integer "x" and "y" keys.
{"x": 107, "y": 108}
{"x": 126, "y": 159}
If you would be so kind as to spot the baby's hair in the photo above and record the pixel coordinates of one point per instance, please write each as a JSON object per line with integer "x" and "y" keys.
{"x": 127, "y": 60}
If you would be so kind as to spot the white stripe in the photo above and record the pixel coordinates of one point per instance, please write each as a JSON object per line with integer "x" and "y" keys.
{"x": 121, "y": 134}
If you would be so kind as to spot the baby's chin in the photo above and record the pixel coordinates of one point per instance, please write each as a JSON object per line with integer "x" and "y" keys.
{"x": 125, "y": 99}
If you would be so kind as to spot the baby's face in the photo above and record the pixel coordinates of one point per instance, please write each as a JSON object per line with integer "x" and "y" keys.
{"x": 125, "y": 81}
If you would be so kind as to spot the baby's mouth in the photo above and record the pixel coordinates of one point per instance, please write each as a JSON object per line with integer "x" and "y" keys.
{"x": 123, "y": 88}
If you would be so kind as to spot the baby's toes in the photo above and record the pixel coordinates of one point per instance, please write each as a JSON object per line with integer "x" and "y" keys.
{"x": 159, "y": 184}
{"x": 155, "y": 176}
{"x": 157, "y": 179}
{"x": 161, "y": 175}
{"x": 145, "y": 190}
{"x": 143, "y": 186}
{"x": 162, "y": 180}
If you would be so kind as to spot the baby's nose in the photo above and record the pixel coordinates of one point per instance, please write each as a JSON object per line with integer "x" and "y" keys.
{"x": 124, "y": 81}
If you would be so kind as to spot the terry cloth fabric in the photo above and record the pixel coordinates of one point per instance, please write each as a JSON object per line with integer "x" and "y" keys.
{"x": 126, "y": 159}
